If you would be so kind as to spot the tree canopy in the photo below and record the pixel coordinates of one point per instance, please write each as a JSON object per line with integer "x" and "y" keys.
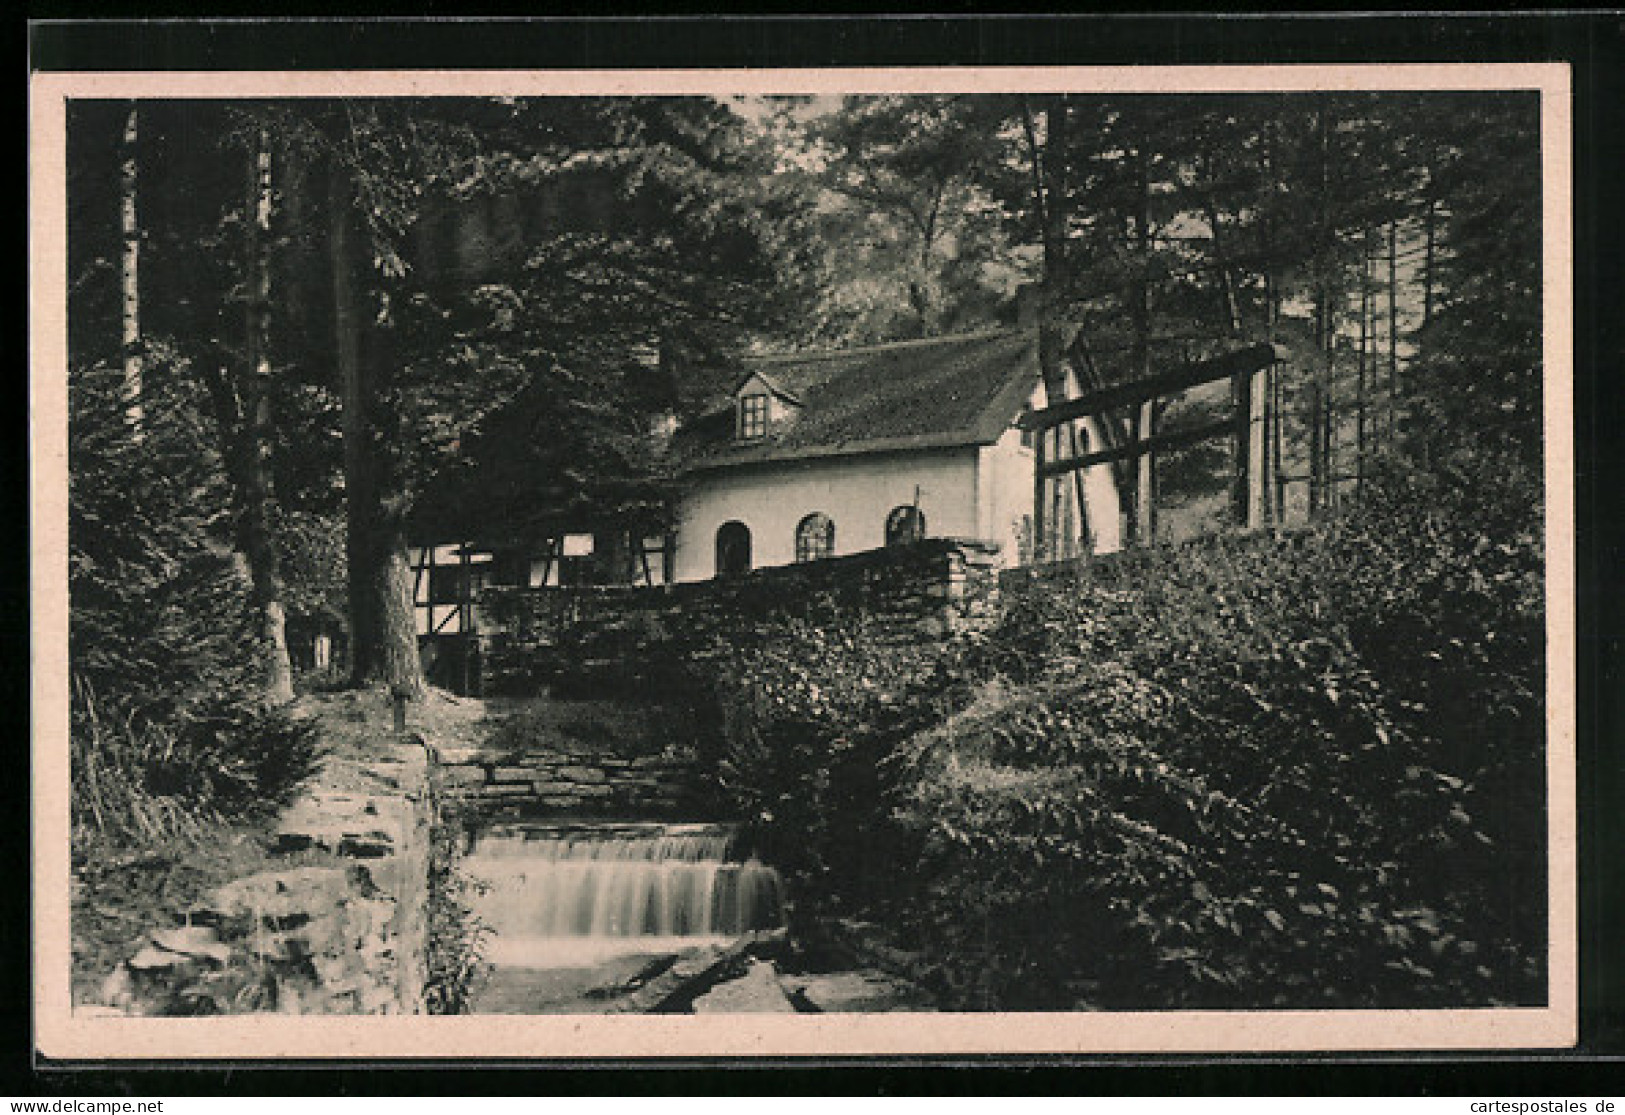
{"x": 427, "y": 313}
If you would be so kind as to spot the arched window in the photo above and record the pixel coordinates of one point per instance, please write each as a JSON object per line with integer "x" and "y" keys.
{"x": 815, "y": 537}
{"x": 733, "y": 548}
{"x": 905, "y": 524}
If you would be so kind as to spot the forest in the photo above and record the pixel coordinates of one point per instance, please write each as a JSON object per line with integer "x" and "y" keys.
{"x": 302, "y": 331}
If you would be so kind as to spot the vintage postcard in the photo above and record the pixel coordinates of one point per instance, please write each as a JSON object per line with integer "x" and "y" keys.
{"x": 802, "y": 563}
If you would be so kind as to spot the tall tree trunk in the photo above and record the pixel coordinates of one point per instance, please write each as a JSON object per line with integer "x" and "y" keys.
{"x": 1050, "y": 194}
{"x": 130, "y": 267}
{"x": 1050, "y": 197}
{"x": 394, "y": 660}
{"x": 1052, "y": 202}
{"x": 256, "y": 540}
{"x": 383, "y": 633}
{"x": 1314, "y": 407}
{"x": 1429, "y": 283}
{"x": 353, "y": 424}
{"x": 1054, "y": 339}
{"x": 1227, "y": 282}
{"x": 924, "y": 295}
{"x": 1221, "y": 260}
{"x": 1272, "y": 312}
{"x": 1362, "y": 364}
{"x": 1321, "y": 385}
{"x": 1428, "y": 220}
{"x": 1393, "y": 330}
{"x": 1145, "y": 498}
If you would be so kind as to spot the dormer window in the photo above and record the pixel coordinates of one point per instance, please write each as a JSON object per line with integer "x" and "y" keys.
{"x": 753, "y": 416}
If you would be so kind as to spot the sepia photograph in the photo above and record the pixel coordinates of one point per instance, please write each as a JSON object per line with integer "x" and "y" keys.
{"x": 803, "y": 564}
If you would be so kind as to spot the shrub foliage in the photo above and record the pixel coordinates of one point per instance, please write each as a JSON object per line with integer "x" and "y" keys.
{"x": 168, "y": 729}
{"x": 1257, "y": 772}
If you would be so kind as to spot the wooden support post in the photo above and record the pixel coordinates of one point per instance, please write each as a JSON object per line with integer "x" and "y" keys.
{"x": 1277, "y": 413}
{"x": 465, "y": 621}
{"x": 1038, "y": 496}
{"x": 1062, "y": 526}
{"x": 1086, "y": 532}
{"x": 1242, "y": 459}
{"x": 1257, "y": 445}
{"x": 428, "y": 593}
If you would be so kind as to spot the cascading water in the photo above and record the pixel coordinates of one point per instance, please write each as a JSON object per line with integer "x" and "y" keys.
{"x": 563, "y": 895}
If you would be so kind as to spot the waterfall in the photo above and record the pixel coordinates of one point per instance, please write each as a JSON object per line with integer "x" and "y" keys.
{"x": 566, "y": 894}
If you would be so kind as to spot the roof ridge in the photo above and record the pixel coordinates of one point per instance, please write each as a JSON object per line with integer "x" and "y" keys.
{"x": 883, "y": 346}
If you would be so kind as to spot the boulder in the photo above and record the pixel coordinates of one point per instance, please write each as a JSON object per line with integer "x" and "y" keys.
{"x": 867, "y": 992}
{"x": 756, "y": 992}
{"x": 696, "y": 971}
{"x": 151, "y": 959}
{"x": 193, "y": 940}
{"x": 280, "y": 899}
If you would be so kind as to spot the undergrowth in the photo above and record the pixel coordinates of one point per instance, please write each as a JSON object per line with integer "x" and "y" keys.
{"x": 1254, "y": 772}
{"x": 456, "y": 968}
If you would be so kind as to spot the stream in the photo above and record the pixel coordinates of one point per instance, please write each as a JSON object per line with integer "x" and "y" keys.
{"x": 578, "y": 912}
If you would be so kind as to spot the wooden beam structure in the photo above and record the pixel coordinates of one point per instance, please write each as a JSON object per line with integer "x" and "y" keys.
{"x": 1243, "y": 361}
{"x": 1171, "y": 439}
{"x": 1250, "y": 372}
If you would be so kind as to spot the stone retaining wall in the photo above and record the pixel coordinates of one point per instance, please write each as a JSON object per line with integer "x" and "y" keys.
{"x": 341, "y": 929}
{"x": 619, "y": 639}
{"x": 548, "y": 781}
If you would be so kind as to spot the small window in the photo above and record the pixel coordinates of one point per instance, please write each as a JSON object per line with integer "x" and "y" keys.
{"x": 733, "y": 548}
{"x": 905, "y": 524}
{"x": 815, "y": 537}
{"x": 753, "y": 416}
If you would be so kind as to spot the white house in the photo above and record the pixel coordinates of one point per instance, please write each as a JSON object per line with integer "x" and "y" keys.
{"x": 820, "y": 454}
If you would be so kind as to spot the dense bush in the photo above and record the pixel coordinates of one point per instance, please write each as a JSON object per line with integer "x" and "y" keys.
{"x": 1252, "y": 772}
{"x": 808, "y": 713}
{"x": 168, "y": 728}
{"x": 1262, "y": 775}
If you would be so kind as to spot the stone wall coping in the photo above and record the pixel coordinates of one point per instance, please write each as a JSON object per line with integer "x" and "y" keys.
{"x": 827, "y": 568}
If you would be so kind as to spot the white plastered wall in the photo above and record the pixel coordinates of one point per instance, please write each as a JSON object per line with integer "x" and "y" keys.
{"x": 856, "y": 492}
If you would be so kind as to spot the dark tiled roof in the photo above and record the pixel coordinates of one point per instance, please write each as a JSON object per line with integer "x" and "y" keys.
{"x": 910, "y": 395}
